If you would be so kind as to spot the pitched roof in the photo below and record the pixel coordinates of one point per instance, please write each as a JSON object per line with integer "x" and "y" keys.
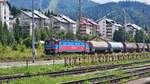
{"x": 59, "y": 19}
{"x": 119, "y": 25}
{"x": 109, "y": 20}
{"x": 88, "y": 21}
{"x": 40, "y": 14}
{"x": 37, "y": 14}
{"x": 106, "y": 19}
{"x": 28, "y": 13}
{"x": 68, "y": 19}
{"x": 63, "y": 18}
{"x": 3, "y": 0}
{"x": 134, "y": 26}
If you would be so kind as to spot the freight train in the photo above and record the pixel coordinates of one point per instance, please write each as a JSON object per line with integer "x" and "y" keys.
{"x": 70, "y": 46}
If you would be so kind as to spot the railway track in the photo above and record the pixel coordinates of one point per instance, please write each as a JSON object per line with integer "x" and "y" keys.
{"x": 112, "y": 79}
{"x": 70, "y": 72}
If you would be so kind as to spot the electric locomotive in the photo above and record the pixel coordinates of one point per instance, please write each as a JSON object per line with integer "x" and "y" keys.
{"x": 66, "y": 46}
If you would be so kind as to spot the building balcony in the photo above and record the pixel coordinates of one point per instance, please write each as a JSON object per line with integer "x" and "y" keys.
{"x": 83, "y": 29}
{"x": 108, "y": 25}
{"x": 109, "y": 32}
{"x": 109, "y": 35}
{"x": 109, "y": 28}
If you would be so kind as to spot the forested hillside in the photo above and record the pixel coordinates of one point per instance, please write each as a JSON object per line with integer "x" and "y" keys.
{"x": 135, "y": 12}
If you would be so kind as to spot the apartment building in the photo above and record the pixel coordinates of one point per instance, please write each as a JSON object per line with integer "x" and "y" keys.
{"x": 108, "y": 27}
{"x": 132, "y": 28}
{"x": 40, "y": 21}
{"x": 88, "y": 27}
{"x": 63, "y": 23}
{"x": 4, "y": 12}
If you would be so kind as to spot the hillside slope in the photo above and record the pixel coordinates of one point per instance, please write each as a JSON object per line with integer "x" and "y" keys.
{"x": 135, "y": 12}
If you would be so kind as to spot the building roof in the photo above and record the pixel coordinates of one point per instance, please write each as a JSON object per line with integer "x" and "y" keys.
{"x": 37, "y": 14}
{"x": 3, "y": 0}
{"x": 40, "y": 14}
{"x": 88, "y": 21}
{"x": 63, "y": 18}
{"x": 134, "y": 26}
{"x": 28, "y": 13}
{"x": 108, "y": 20}
{"x": 59, "y": 19}
{"x": 92, "y": 22}
{"x": 119, "y": 25}
{"x": 68, "y": 19}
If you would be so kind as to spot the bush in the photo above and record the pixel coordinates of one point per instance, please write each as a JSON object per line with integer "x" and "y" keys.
{"x": 38, "y": 46}
{"x": 27, "y": 42}
{"x": 15, "y": 48}
{"x": 22, "y": 48}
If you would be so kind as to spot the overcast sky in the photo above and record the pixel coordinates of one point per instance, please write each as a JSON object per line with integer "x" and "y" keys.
{"x": 105, "y": 1}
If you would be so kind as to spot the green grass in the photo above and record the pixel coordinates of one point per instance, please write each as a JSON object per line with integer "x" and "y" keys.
{"x": 7, "y": 54}
{"x": 32, "y": 69}
{"x": 57, "y": 80}
{"x": 52, "y": 68}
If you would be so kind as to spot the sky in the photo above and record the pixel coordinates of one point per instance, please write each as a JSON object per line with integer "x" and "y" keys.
{"x": 105, "y": 1}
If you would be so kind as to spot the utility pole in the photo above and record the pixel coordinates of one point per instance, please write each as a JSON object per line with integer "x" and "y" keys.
{"x": 144, "y": 39}
{"x": 80, "y": 10}
{"x": 40, "y": 5}
{"x": 33, "y": 34}
{"x": 80, "y": 15}
{"x": 125, "y": 24}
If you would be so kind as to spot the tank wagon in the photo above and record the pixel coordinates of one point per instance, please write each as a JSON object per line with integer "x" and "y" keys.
{"x": 130, "y": 47}
{"x": 66, "y": 46}
{"x": 148, "y": 45}
{"x": 99, "y": 46}
{"x": 116, "y": 46}
{"x": 141, "y": 46}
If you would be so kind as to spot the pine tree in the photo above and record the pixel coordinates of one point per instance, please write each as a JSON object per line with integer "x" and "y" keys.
{"x": 38, "y": 34}
{"x": 69, "y": 35}
{"x": 1, "y": 32}
{"x": 11, "y": 39}
{"x": 122, "y": 36}
{"x": 139, "y": 36}
{"x": 18, "y": 32}
{"x": 119, "y": 35}
{"x": 4, "y": 34}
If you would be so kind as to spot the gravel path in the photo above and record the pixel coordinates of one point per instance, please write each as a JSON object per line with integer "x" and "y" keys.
{"x": 21, "y": 64}
{"x": 140, "y": 81}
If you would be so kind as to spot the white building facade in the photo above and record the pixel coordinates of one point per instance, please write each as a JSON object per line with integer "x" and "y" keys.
{"x": 132, "y": 28}
{"x": 25, "y": 19}
{"x": 108, "y": 27}
{"x": 4, "y": 12}
{"x": 63, "y": 23}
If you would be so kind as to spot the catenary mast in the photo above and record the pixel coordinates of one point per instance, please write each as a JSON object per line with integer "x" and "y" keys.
{"x": 33, "y": 34}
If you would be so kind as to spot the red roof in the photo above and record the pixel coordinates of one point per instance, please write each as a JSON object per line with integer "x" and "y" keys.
{"x": 2, "y": 1}
{"x": 88, "y": 21}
